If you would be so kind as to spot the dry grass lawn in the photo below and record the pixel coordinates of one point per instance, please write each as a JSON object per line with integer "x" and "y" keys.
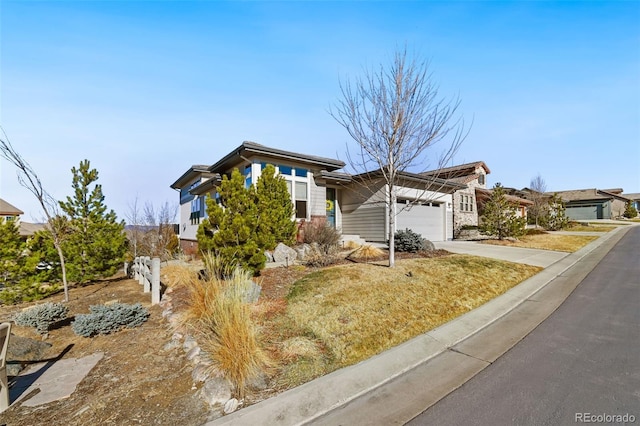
{"x": 342, "y": 315}
{"x": 591, "y": 228}
{"x": 555, "y": 242}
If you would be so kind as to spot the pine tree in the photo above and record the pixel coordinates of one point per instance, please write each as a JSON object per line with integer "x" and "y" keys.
{"x": 500, "y": 218}
{"x": 11, "y": 254}
{"x": 630, "y": 211}
{"x": 554, "y": 217}
{"x": 96, "y": 245}
{"x": 229, "y": 231}
{"x": 275, "y": 210}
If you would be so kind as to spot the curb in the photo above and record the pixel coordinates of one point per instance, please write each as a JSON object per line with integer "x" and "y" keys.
{"x": 312, "y": 400}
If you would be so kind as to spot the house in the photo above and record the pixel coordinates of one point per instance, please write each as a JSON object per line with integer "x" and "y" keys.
{"x": 514, "y": 196}
{"x": 587, "y": 204}
{"x": 473, "y": 176}
{"x": 320, "y": 191}
{"x": 9, "y": 213}
{"x": 635, "y": 200}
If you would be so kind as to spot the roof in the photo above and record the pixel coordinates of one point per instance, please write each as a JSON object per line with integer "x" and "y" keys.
{"x": 7, "y": 209}
{"x": 27, "y": 229}
{"x": 250, "y": 149}
{"x": 458, "y": 172}
{"x": 632, "y": 196}
{"x": 433, "y": 183}
{"x": 484, "y": 194}
{"x": 587, "y": 194}
{"x": 193, "y": 172}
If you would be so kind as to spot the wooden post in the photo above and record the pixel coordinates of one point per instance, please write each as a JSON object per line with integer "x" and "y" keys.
{"x": 155, "y": 281}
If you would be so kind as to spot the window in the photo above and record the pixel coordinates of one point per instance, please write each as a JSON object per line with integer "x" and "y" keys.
{"x": 300, "y": 199}
{"x": 285, "y": 170}
{"x": 466, "y": 203}
{"x": 196, "y": 211}
{"x": 301, "y": 172}
{"x": 481, "y": 179}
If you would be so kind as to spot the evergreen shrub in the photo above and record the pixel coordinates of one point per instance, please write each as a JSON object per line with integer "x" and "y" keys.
{"x": 105, "y": 319}
{"x": 42, "y": 316}
{"x": 409, "y": 241}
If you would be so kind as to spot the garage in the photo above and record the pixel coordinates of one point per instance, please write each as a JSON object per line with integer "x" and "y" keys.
{"x": 426, "y": 219}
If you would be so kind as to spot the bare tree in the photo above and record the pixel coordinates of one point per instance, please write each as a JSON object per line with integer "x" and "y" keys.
{"x": 394, "y": 115}
{"x": 29, "y": 179}
{"x": 151, "y": 230}
{"x": 538, "y": 188}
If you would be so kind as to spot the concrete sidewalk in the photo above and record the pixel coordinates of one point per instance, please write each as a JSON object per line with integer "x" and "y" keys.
{"x": 357, "y": 394}
{"x": 535, "y": 257}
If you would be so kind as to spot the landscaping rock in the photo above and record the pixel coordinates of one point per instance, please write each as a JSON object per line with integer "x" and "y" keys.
{"x": 284, "y": 253}
{"x": 189, "y": 343}
{"x": 428, "y": 245}
{"x": 193, "y": 352}
{"x": 216, "y": 390}
{"x": 24, "y": 349}
{"x": 253, "y": 293}
{"x": 230, "y": 406}
{"x": 200, "y": 373}
{"x": 303, "y": 251}
{"x": 269, "y": 256}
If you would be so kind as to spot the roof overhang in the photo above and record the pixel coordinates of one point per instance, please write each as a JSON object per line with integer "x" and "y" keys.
{"x": 251, "y": 149}
{"x": 429, "y": 183}
{"x": 192, "y": 173}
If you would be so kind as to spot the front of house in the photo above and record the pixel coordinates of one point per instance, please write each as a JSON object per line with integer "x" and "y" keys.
{"x": 356, "y": 205}
{"x": 588, "y": 204}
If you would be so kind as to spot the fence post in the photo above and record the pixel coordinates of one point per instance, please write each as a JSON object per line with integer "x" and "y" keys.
{"x": 146, "y": 272}
{"x": 155, "y": 283}
{"x": 139, "y": 270}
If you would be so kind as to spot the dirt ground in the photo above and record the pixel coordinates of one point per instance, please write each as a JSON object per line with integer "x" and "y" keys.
{"x": 137, "y": 381}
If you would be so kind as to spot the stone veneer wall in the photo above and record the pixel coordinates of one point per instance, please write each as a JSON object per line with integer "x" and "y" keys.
{"x": 461, "y": 218}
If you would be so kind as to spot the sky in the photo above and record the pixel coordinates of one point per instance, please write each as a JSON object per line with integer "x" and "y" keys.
{"x": 145, "y": 89}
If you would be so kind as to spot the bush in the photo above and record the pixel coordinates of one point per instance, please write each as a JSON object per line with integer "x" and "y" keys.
{"x": 630, "y": 211}
{"x": 42, "y": 316}
{"x": 409, "y": 241}
{"x": 319, "y": 256}
{"x": 321, "y": 233}
{"x": 105, "y": 319}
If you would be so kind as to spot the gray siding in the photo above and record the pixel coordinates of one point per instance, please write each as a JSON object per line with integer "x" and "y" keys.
{"x": 318, "y": 199}
{"x": 367, "y": 222}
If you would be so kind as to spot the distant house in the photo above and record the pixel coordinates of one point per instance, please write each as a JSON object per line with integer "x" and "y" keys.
{"x": 516, "y": 197}
{"x": 587, "y": 204}
{"x": 10, "y": 213}
{"x": 320, "y": 191}
{"x": 635, "y": 200}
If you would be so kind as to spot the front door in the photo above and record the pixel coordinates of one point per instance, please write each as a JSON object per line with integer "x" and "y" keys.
{"x": 331, "y": 207}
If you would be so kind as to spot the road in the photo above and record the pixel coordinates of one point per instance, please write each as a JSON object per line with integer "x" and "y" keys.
{"x": 582, "y": 363}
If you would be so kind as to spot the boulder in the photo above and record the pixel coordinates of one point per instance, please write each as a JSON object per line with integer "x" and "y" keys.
{"x": 284, "y": 253}
{"x": 428, "y": 246}
{"x": 303, "y": 251}
{"x": 24, "y": 349}
{"x": 269, "y": 256}
{"x": 216, "y": 390}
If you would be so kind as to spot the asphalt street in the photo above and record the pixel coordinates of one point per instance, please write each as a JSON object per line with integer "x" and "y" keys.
{"x": 582, "y": 364}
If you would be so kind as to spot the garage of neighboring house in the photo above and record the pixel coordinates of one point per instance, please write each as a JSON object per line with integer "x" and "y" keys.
{"x": 588, "y": 204}
{"x": 425, "y": 218}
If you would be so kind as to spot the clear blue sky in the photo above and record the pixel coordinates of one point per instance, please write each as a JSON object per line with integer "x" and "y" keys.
{"x": 146, "y": 89}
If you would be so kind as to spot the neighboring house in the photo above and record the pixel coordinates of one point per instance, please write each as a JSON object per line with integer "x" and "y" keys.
{"x": 587, "y": 204}
{"x": 473, "y": 176}
{"x": 9, "y": 212}
{"x": 320, "y": 191}
{"x": 635, "y": 200}
{"x": 516, "y": 197}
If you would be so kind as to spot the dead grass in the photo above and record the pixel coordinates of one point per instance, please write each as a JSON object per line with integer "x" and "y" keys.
{"x": 352, "y": 312}
{"x": 350, "y": 245}
{"x": 555, "y": 242}
{"x": 367, "y": 251}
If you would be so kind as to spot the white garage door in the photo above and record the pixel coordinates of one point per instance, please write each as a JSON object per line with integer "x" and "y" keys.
{"x": 429, "y": 221}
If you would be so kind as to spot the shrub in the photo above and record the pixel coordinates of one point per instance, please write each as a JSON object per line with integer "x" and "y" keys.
{"x": 630, "y": 211}
{"x": 105, "y": 319}
{"x": 42, "y": 316}
{"x": 321, "y": 233}
{"x": 319, "y": 256}
{"x": 367, "y": 251}
{"x": 409, "y": 241}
